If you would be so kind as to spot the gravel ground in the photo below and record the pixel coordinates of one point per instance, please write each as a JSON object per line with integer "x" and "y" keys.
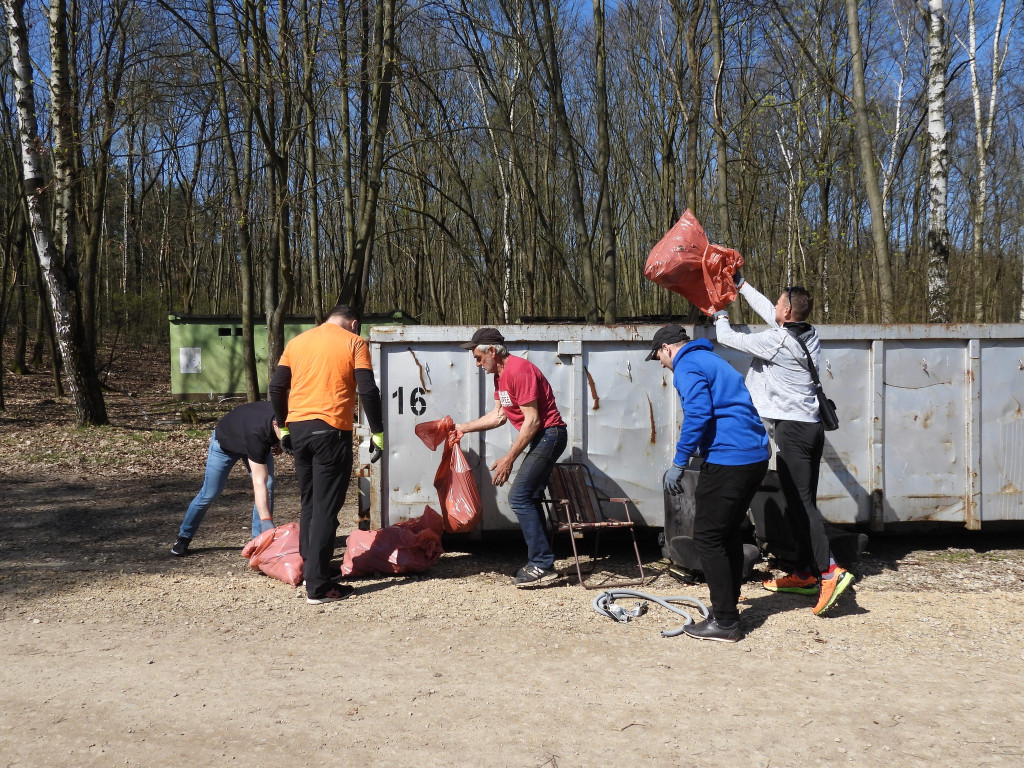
{"x": 119, "y": 654}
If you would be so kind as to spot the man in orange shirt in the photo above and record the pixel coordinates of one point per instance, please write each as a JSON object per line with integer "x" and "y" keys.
{"x": 314, "y": 392}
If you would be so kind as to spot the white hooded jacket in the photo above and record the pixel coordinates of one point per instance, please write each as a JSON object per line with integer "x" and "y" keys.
{"x": 780, "y": 384}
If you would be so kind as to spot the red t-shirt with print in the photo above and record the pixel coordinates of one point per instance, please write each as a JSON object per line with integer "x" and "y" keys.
{"x": 520, "y": 381}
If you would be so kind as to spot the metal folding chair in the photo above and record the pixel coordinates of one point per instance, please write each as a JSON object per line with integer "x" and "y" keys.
{"x": 574, "y": 507}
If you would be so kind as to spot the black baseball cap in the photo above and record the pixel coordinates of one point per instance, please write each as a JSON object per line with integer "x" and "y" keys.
{"x": 673, "y": 333}
{"x": 484, "y": 336}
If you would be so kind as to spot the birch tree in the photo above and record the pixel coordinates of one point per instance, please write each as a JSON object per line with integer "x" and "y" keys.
{"x": 984, "y": 125}
{"x": 938, "y": 167}
{"x": 57, "y": 257}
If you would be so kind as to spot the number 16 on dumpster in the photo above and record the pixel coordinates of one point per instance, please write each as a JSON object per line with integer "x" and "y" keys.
{"x": 417, "y": 403}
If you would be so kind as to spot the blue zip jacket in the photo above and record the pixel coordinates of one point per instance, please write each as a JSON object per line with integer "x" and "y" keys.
{"x": 720, "y": 422}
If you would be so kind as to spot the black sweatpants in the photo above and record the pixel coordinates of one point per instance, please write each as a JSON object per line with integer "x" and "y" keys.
{"x": 722, "y": 498}
{"x": 801, "y": 444}
{"x": 323, "y": 466}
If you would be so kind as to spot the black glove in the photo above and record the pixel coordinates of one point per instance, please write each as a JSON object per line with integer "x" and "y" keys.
{"x": 737, "y": 279}
{"x": 286, "y": 443}
{"x": 674, "y": 480}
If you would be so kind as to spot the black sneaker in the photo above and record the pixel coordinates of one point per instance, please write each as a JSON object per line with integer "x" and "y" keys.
{"x": 531, "y": 576}
{"x": 334, "y": 594}
{"x": 180, "y": 548}
{"x": 712, "y": 630}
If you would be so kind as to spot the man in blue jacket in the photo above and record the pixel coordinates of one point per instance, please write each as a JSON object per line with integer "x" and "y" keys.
{"x": 721, "y": 425}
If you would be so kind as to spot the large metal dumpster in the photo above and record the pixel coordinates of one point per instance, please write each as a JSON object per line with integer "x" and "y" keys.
{"x": 932, "y": 423}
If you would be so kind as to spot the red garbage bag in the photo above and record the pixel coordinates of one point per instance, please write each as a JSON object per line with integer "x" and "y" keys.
{"x": 461, "y": 509}
{"x": 433, "y": 433}
{"x": 410, "y": 546}
{"x": 686, "y": 263}
{"x": 276, "y": 553}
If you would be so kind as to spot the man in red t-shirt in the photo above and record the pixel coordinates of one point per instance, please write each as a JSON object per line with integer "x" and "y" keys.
{"x": 523, "y": 397}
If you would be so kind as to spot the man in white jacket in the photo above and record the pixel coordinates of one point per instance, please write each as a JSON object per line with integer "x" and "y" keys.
{"x": 783, "y": 392}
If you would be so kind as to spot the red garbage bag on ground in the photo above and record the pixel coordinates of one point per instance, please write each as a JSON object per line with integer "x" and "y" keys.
{"x": 461, "y": 509}
{"x": 410, "y": 546}
{"x": 276, "y": 553}
{"x": 686, "y": 263}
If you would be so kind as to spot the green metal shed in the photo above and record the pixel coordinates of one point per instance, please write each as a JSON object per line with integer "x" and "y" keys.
{"x": 206, "y": 353}
{"x": 206, "y": 350}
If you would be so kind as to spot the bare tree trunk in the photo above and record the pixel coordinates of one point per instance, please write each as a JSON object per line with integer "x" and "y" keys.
{"x": 240, "y": 201}
{"x": 983, "y": 131}
{"x": 278, "y": 292}
{"x": 879, "y": 235}
{"x": 505, "y": 176}
{"x": 553, "y": 82}
{"x": 311, "y": 37}
{"x": 348, "y": 198}
{"x": 938, "y": 171}
{"x": 113, "y": 68}
{"x": 58, "y": 273}
{"x": 693, "y": 61}
{"x": 384, "y": 57}
{"x": 279, "y": 281}
{"x": 604, "y": 191}
{"x": 721, "y": 141}
{"x": 17, "y": 250}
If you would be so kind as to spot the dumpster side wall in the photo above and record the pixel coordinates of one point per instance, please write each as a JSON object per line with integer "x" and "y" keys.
{"x": 932, "y": 427}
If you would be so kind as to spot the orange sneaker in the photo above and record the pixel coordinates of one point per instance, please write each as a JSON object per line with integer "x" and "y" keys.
{"x": 792, "y": 582}
{"x": 831, "y": 589}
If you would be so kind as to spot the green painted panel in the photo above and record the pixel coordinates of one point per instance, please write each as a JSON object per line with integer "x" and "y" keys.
{"x": 206, "y": 354}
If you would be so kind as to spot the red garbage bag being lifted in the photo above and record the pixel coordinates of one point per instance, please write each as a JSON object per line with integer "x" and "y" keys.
{"x": 461, "y": 509}
{"x": 276, "y": 553}
{"x": 686, "y": 263}
{"x": 410, "y": 546}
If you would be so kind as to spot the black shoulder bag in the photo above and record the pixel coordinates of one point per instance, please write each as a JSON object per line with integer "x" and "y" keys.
{"x": 826, "y": 408}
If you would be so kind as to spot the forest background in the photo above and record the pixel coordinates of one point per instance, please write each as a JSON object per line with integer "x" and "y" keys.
{"x": 485, "y": 161}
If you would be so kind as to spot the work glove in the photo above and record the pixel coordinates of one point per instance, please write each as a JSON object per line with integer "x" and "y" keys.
{"x": 674, "y": 480}
{"x": 266, "y": 525}
{"x": 738, "y": 279}
{"x": 376, "y": 446}
{"x": 284, "y": 436}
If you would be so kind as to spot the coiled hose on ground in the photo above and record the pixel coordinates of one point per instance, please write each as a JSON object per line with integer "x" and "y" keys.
{"x": 604, "y": 604}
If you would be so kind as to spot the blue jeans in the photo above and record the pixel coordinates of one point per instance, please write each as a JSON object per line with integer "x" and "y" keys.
{"x": 528, "y": 489}
{"x": 218, "y": 467}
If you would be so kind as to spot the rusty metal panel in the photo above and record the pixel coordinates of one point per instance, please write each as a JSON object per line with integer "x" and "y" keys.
{"x": 925, "y": 430}
{"x": 630, "y": 425}
{"x": 419, "y": 383}
{"x": 931, "y": 418}
{"x": 1002, "y": 431}
{"x": 844, "y": 486}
